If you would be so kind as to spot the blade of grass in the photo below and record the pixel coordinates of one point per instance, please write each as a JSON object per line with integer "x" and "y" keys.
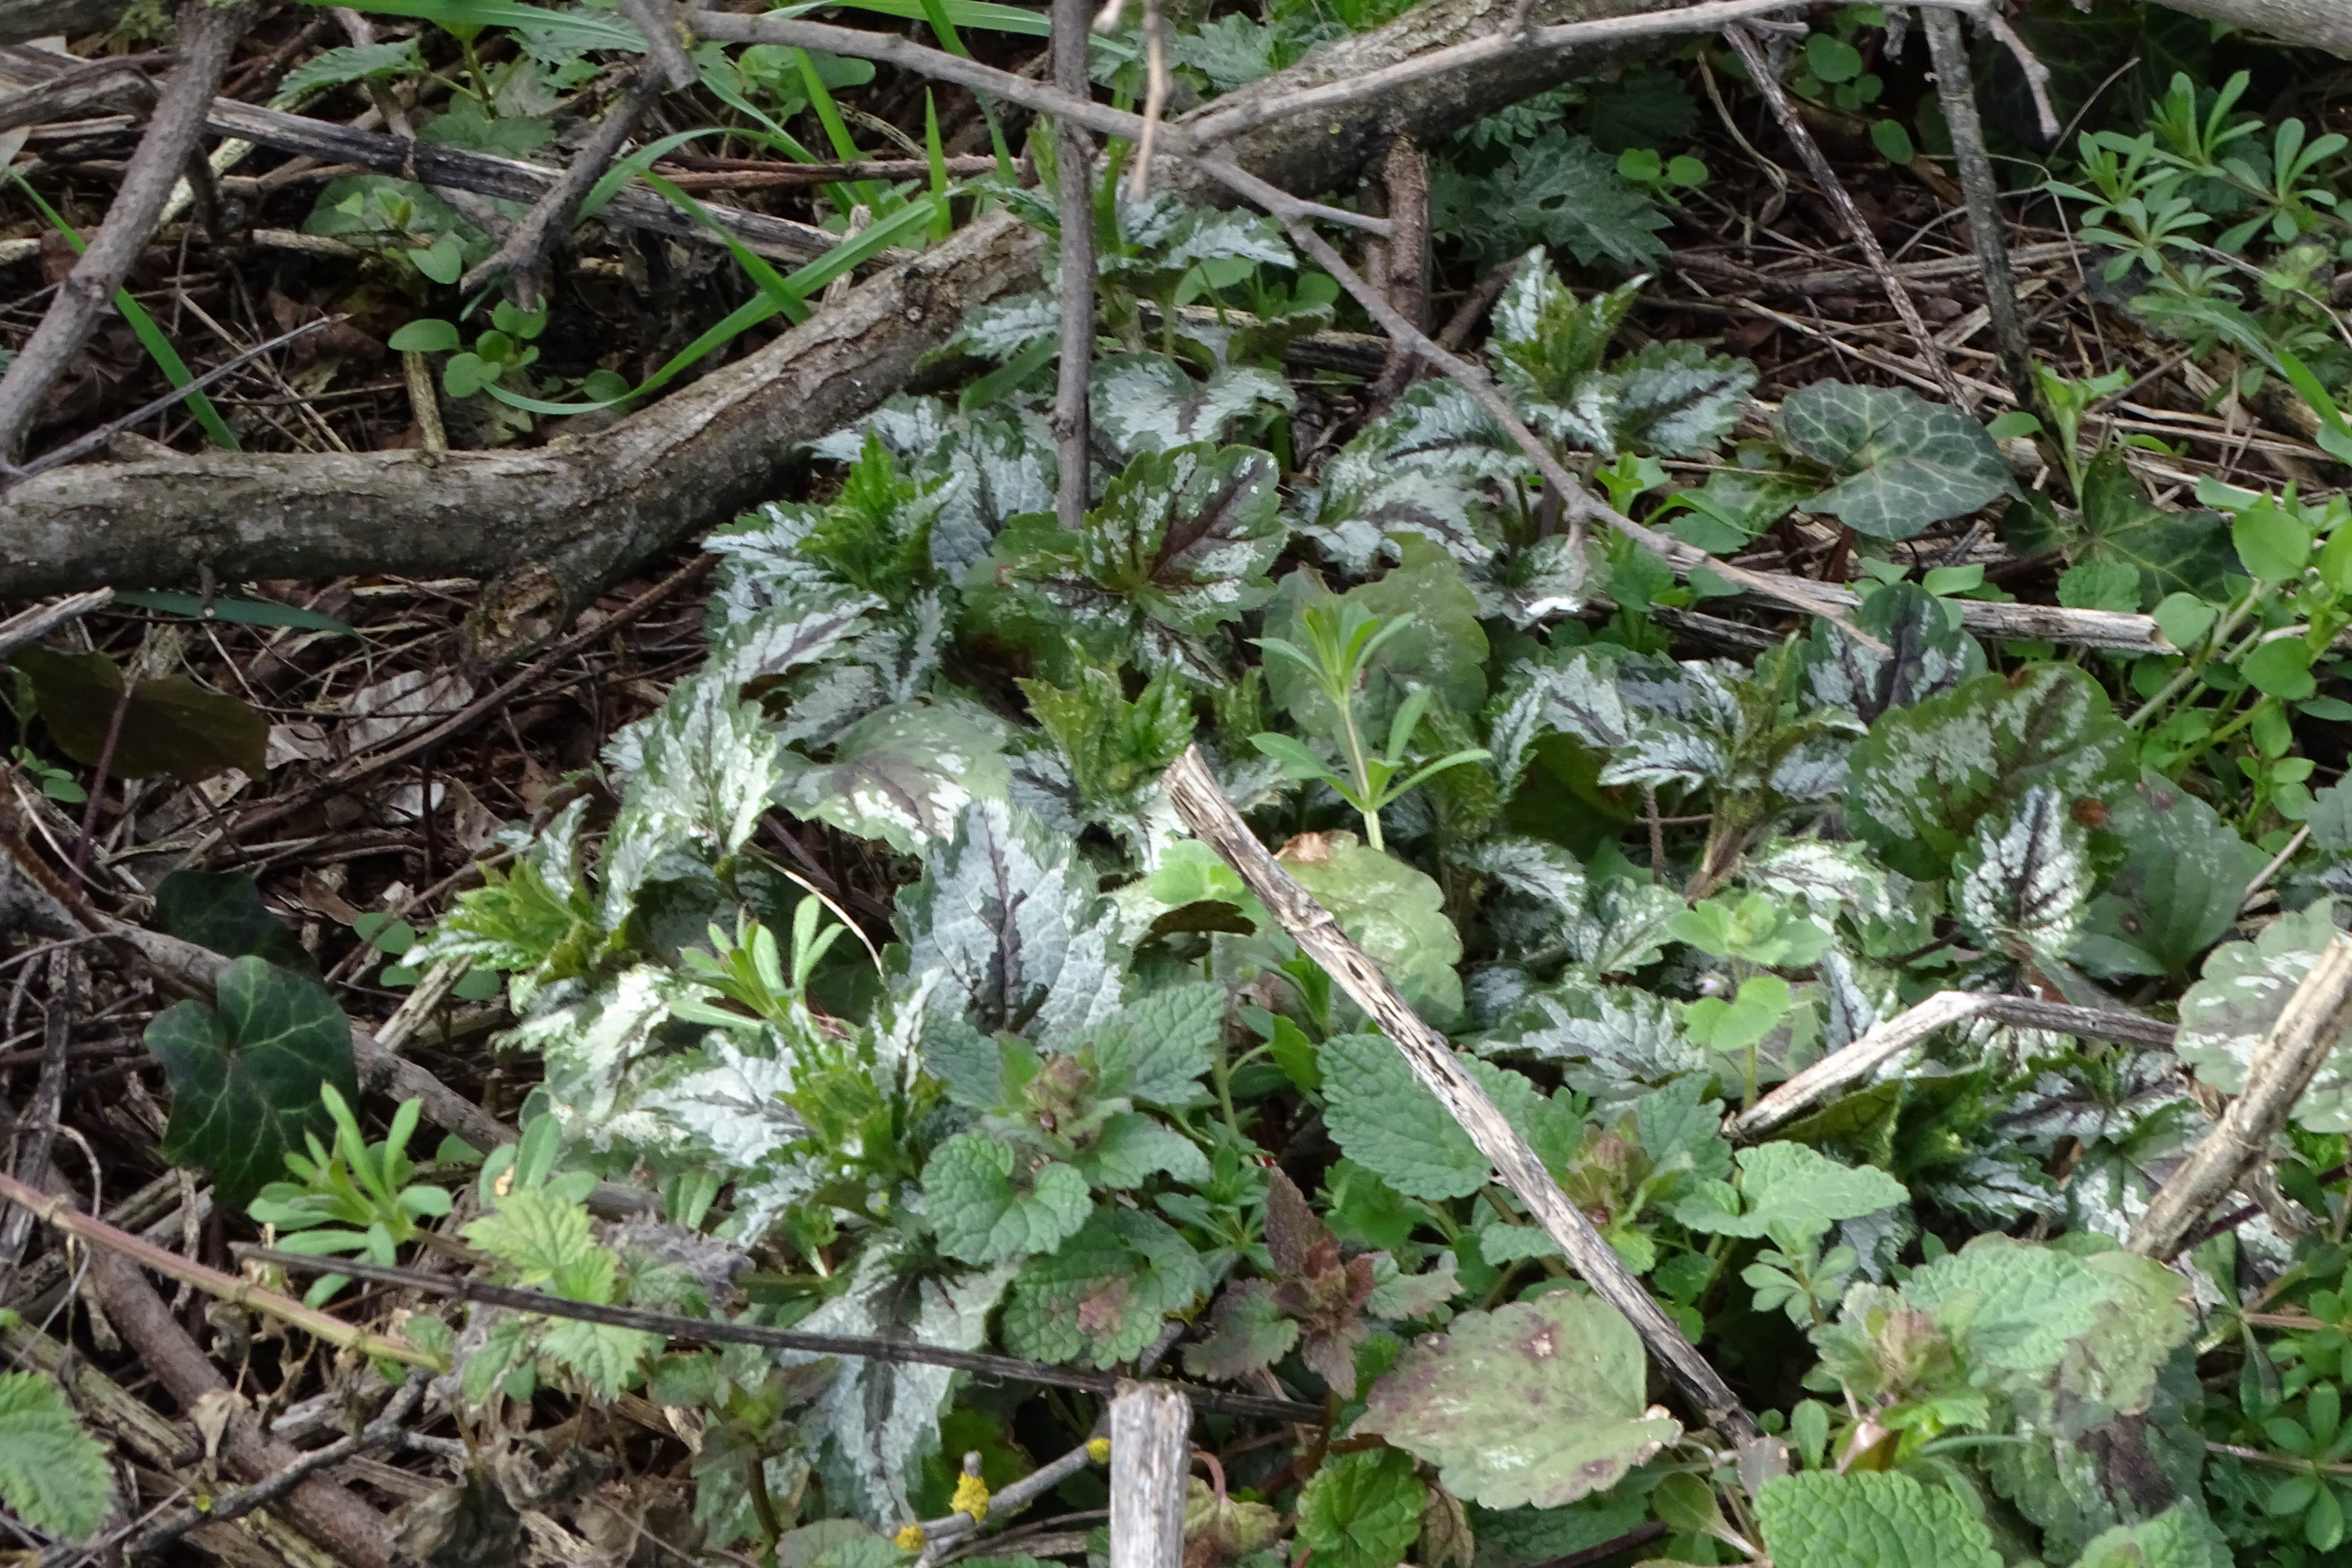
{"x": 936, "y": 153}
{"x": 837, "y": 131}
{"x": 727, "y": 87}
{"x": 150, "y": 337}
{"x": 936, "y": 13}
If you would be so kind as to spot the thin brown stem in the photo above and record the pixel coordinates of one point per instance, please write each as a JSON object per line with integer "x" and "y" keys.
{"x": 1074, "y": 168}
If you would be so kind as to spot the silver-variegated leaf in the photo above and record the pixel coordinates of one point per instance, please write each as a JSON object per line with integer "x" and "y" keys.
{"x": 1149, "y": 403}
{"x": 903, "y": 775}
{"x": 2026, "y": 881}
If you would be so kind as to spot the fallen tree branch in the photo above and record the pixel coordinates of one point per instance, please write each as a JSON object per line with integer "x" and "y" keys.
{"x": 1882, "y": 1042}
{"x": 715, "y": 1331}
{"x": 1194, "y": 793}
{"x": 2313, "y": 1024}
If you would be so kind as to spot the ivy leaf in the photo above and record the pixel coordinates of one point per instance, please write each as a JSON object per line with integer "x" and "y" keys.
{"x": 2026, "y": 878}
{"x": 170, "y": 725}
{"x": 1923, "y": 778}
{"x": 1395, "y": 912}
{"x": 2179, "y": 891}
{"x": 1247, "y": 1330}
{"x": 1557, "y": 190}
{"x": 1898, "y": 462}
{"x": 1147, "y": 402}
{"x": 223, "y": 912}
{"x": 2243, "y": 989}
{"x": 969, "y": 1197}
{"x": 1011, "y": 914}
{"x": 1102, "y": 1297}
{"x": 1869, "y": 1518}
{"x": 246, "y": 1075}
{"x": 2167, "y": 552}
{"x": 1385, "y": 1120}
{"x": 52, "y": 1473}
{"x": 1536, "y": 1404}
{"x": 1792, "y": 1190}
{"x": 904, "y": 775}
{"x": 1363, "y": 1509}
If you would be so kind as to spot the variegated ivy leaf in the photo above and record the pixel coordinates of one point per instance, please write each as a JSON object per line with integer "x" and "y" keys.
{"x": 1899, "y": 463}
{"x": 705, "y": 767}
{"x": 1626, "y": 925}
{"x": 1208, "y": 234}
{"x": 1537, "y": 869}
{"x": 903, "y": 775}
{"x": 761, "y": 564}
{"x": 726, "y": 1104}
{"x": 1927, "y": 653}
{"x": 2244, "y": 988}
{"x": 536, "y": 921}
{"x": 804, "y": 630}
{"x": 1011, "y": 915}
{"x": 2026, "y": 881}
{"x": 878, "y": 1420}
{"x": 1829, "y": 877}
{"x": 1179, "y": 544}
{"x": 1436, "y": 464}
{"x": 1149, "y": 403}
{"x": 1535, "y": 584}
{"x": 1923, "y": 778}
{"x": 1673, "y": 399}
{"x": 1546, "y": 342}
{"x": 998, "y": 464}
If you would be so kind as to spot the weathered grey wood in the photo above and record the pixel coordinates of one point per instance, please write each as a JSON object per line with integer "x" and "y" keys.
{"x": 23, "y": 19}
{"x": 1150, "y": 1427}
{"x": 2289, "y": 1058}
{"x": 2317, "y": 24}
{"x": 1203, "y": 805}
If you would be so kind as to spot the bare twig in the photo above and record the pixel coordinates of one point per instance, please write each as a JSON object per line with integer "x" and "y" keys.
{"x": 521, "y": 257}
{"x": 658, "y": 20}
{"x": 41, "y": 1115}
{"x": 1882, "y": 1042}
{"x": 378, "y": 1433}
{"x": 1155, "y": 96}
{"x": 1399, "y": 370}
{"x": 1404, "y": 175}
{"x": 710, "y": 1330}
{"x": 1149, "y": 1457}
{"x": 2037, "y": 74}
{"x": 208, "y": 33}
{"x": 65, "y": 96}
{"x": 1074, "y": 168}
{"x": 2283, "y": 1065}
{"x": 28, "y": 625}
{"x": 1956, "y": 88}
{"x": 1194, "y": 791}
{"x": 1776, "y": 98}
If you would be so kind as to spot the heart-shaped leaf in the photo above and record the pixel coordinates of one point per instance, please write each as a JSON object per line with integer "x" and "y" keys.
{"x": 1899, "y": 462}
{"x": 170, "y": 725}
{"x": 223, "y": 911}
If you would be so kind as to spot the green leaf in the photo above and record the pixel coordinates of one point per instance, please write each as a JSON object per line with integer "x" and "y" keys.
{"x": 2172, "y": 552}
{"x": 1247, "y": 1330}
{"x": 1385, "y": 1120}
{"x": 1101, "y": 1299}
{"x": 1441, "y": 647}
{"x": 1558, "y": 190}
{"x": 982, "y": 1216}
{"x": 2010, "y": 1304}
{"x": 1395, "y": 912}
{"x": 240, "y": 612}
{"x": 1869, "y": 1518}
{"x": 1925, "y": 777}
{"x": 1148, "y": 403}
{"x": 1157, "y": 1046}
{"x": 1536, "y": 1404}
{"x": 2242, "y": 991}
{"x": 1892, "y": 142}
{"x": 2179, "y": 891}
{"x": 332, "y": 68}
{"x": 904, "y": 775}
{"x": 169, "y": 726}
{"x": 246, "y": 1078}
{"x": 52, "y": 1473}
{"x": 2180, "y": 1537}
{"x": 1899, "y": 463}
{"x": 2280, "y": 668}
{"x": 1831, "y": 58}
{"x": 2273, "y": 544}
{"x": 1362, "y": 1510}
{"x": 538, "y": 1235}
{"x": 222, "y": 911}
{"x": 1792, "y": 1190}
{"x": 428, "y": 335}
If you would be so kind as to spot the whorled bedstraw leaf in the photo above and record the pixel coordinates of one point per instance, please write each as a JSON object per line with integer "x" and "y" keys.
{"x": 983, "y": 1214}
{"x": 2026, "y": 881}
{"x": 1102, "y": 1297}
{"x": 1536, "y": 1404}
{"x": 1149, "y": 403}
{"x": 1441, "y": 647}
{"x": 1869, "y": 1518}
{"x": 2242, "y": 991}
{"x": 2179, "y": 891}
{"x": 1789, "y": 1189}
{"x": 245, "y": 1074}
{"x": 1385, "y": 1120}
{"x": 1363, "y": 1509}
{"x": 1395, "y": 912}
{"x": 904, "y": 775}
{"x": 1923, "y": 778}
{"x": 1898, "y": 462}
{"x": 52, "y": 1475}
{"x": 1010, "y": 912}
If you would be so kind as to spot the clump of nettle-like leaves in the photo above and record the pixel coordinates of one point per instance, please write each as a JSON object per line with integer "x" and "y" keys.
{"x": 1089, "y": 1089}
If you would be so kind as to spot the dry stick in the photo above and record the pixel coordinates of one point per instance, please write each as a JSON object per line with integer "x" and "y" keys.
{"x": 1073, "y": 167}
{"x": 2283, "y": 1065}
{"x": 1882, "y": 1042}
{"x": 208, "y": 35}
{"x": 710, "y": 1330}
{"x": 522, "y": 255}
{"x": 1404, "y": 175}
{"x": 750, "y": 174}
{"x": 57, "y": 1211}
{"x": 1956, "y": 88}
{"x": 49, "y": 1101}
{"x": 42, "y": 619}
{"x": 658, "y": 20}
{"x": 64, "y": 97}
{"x": 383, "y": 1430}
{"x": 1150, "y": 1424}
{"x": 1194, "y": 791}
{"x": 1777, "y": 98}
{"x": 1155, "y": 95}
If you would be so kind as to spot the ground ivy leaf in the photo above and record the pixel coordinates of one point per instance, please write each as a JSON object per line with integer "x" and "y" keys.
{"x": 246, "y": 1075}
{"x": 2010, "y": 1304}
{"x": 1362, "y": 1510}
{"x": 1788, "y": 1188}
{"x": 1869, "y": 1520}
{"x": 1385, "y": 1120}
{"x": 52, "y": 1473}
{"x": 2180, "y": 1537}
{"x": 981, "y": 1217}
{"x": 1157, "y": 1046}
{"x": 1247, "y": 1330}
{"x": 1536, "y": 1404}
{"x": 1923, "y": 778}
{"x": 2244, "y": 988}
{"x": 1898, "y": 462}
{"x": 1132, "y": 1148}
{"x": 2179, "y": 891}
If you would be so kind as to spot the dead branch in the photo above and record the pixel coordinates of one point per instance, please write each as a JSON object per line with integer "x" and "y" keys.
{"x": 1198, "y": 799}
{"x": 42, "y": 619}
{"x": 22, "y": 19}
{"x": 2290, "y": 1057}
{"x": 1955, "y": 89}
{"x": 715, "y": 1331}
{"x": 208, "y": 35}
{"x": 1847, "y": 1066}
{"x": 78, "y": 88}
{"x": 41, "y": 1114}
{"x": 1074, "y": 163}
{"x": 658, "y": 20}
{"x": 1149, "y": 1458}
{"x": 2315, "y": 23}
